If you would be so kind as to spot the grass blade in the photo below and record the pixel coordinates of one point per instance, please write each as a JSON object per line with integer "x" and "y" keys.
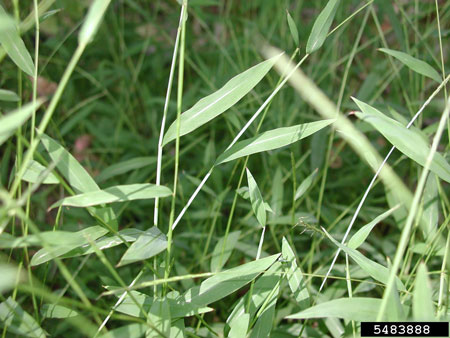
{"x": 256, "y": 200}
{"x": 414, "y": 64}
{"x": 218, "y": 258}
{"x": 422, "y": 305}
{"x": 293, "y": 29}
{"x": 13, "y": 44}
{"x": 34, "y": 173}
{"x": 272, "y": 139}
{"x": 92, "y": 21}
{"x": 118, "y": 193}
{"x": 215, "y": 104}
{"x": 8, "y": 95}
{"x": 321, "y": 27}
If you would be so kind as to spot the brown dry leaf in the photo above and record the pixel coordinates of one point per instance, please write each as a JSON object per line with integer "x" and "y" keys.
{"x": 45, "y": 87}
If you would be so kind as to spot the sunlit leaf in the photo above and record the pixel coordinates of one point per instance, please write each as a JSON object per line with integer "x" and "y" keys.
{"x": 321, "y": 26}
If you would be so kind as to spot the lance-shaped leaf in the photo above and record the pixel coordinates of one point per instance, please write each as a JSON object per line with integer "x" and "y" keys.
{"x": 7, "y": 95}
{"x": 62, "y": 245}
{"x": 357, "y": 309}
{"x": 375, "y": 270}
{"x": 256, "y": 200}
{"x": 222, "y": 251}
{"x": 422, "y": 305}
{"x": 293, "y": 29}
{"x": 13, "y": 44}
{"x": 36, "y": 172}
{"x": 414, "y": 64}
{"x": 360, "y": 236}
{"x": 272, "y": 139}
{"x": 149, "y": 244}
{"x": 78, "y": 177}
{"x": 130, "y": 331}
{"x": 226, "y": 282}
{"x": 118, "y": 193}
{"x": 306, "y": 183}
{"x": 407, "y": 141}
{"x": 57, "y": 311}
{"x": 10, "y": 122}
{"x": 321, "y": 26}
{"x": 215, "y": 104}
{"x": 125, "y": 166}
{"x": 19, "y": 322}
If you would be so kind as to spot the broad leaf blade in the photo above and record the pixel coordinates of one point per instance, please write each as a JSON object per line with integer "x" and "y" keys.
{"x": 130, "y": 331}
{"x": 414, "y": 64}
{"x": 149, "y": 244}
{"x": 357, "y": 309}
{"x": 215, "y": 104}
{"x": 422, "y": 305}
{"x": 57, "y": 311}
{"x": 13, "y": 45}
{"x": 321, "y": 26}
{"x": 125, "y": 166}
{"x": 272, "y": 139}
{"x": 7, "y": 95}
{"x": 118, "y": 193}
{"x": 35, "y": 172}
{"x": 407, "y": 141}
{"x": 222, "y": 252}
{"x": 256, "y": 200}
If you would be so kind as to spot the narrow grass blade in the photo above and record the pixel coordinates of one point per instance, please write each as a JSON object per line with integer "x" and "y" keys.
{"x": 256, "y": 200}
{"x": 375, "y": 270}
{"x": 92, "y": 21}
{"x": 361, "y": 235}
{"x": 13, "y": 44}
{"x": 293, "y": 29}
{"x": 422, "y": 305}
{"x": 306, "y": 183}
{"x": 321, "y": 26}
{"x": 358, "y": 309}
{"x": 62, "y": 245}
{"x": 118, "y": 193}
{"x": 8, "y": 95}
{"x": 215, "y": 104}
{"x": 227, "y": 282}
{"x": 414, "y": 64}
{"x": 221, "y": 253}
{"x": 10, "y": 122}
{"x": 294, "y": 276}
{"x": 78, "y": 177}
{"x": 272, "y": 139}
{"x": 149, "y": 244}
{"x": 34, "y": 173}
{"x": 18, "y": 321}
{"x": 57, "y": 311}
{"x": 406, "y": 140}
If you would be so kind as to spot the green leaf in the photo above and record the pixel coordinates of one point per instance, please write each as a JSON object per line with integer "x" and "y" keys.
{"x": 92, "y": 21}
{"x": 63, "y": 243}
{"x": 18, "y": 321}
{"x": 294, "y": 276}
{"x": 215, "y": 104}
{"x": 272, "y": 139}
{"x": 125, "y": 166}
{"x": 118, "y": 193}
{"x": 10, "y": 122}
{"x": 306, "y": 183}
{"x": 431, "y": 206}
{"x": 407, "y": 141}
{"x": 422, "y": 305}
{"x": 159, "y": 316}
{"x": 57, "y": 311}
{"x": 293, "y": 28}
{"x": 9, "y": 277}
{"x": 360, "y": 236}
{"x": 264, "y": 323}
{"x": 78, "y": 178}
{"x": 221, "y": 252}
{"x": 375, "y": 270}
{"x": 357, "y": 309}
{"x": 226, "y": 282}
{"x": 8, "y": 95}
{"x": 35, "y": 171}
{"x": 13, "y": 44}
{"x": 414, "y": 64}
{"x": 239, "y": 326}
{"x": 256, "y": 200}
{"x": 129, "y": 331}
{"x": 321, "y": 26}
{"x": 149, "y": 244}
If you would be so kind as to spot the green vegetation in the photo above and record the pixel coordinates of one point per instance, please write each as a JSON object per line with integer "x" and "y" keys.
{"x": 206, "y": 168}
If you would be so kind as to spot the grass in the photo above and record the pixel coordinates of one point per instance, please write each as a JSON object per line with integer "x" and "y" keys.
{"x": 151, "y": 188}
